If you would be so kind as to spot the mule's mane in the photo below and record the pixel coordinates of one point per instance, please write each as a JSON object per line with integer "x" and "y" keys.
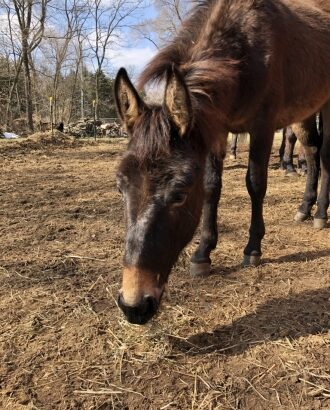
{"x": 197, "y": 52}
{"x": 208, "y": 64}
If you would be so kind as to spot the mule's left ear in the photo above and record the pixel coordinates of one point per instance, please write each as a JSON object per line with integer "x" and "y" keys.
{"x": 129, "y": 103}
{"x": 178, "y": 102}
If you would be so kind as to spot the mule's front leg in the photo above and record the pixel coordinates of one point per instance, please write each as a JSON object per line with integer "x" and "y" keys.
{"x": 200, "y": 260}
{"x": 321, "y": 215}
{"x": 256, "y": 183}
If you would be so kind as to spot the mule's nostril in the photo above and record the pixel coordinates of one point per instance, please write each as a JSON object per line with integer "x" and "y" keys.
{"x": 150, "y": 304}
{"x": 141, "y": 312}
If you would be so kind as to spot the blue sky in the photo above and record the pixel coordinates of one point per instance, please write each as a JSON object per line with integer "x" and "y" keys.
{"x": 133, "y": 53}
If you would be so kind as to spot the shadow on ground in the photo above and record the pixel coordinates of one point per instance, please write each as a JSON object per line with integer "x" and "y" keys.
{"x": 299, "y": 256}
{"x": 298, "y": 315}
{"x": 291, "y": 258}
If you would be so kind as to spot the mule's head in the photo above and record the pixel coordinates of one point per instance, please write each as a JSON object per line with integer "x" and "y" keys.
{"x": 161, "y": 180}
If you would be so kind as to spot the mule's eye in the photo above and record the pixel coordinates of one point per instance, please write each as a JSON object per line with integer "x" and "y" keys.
{"x": 179, "y": 198}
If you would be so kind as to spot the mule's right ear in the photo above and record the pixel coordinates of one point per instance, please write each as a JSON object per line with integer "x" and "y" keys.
{"x": 129, "y": 103}
{"x": 177, "y": 101}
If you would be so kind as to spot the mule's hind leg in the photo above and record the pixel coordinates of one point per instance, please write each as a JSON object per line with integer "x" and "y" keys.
{"x": 290, "y": 140}
{"x": 200, "y": 260}
{"x": 282, "y": 148}
{"x": 302, "y": 163}
{"x": 310, "y": 139}
{"x": 233, "y": 146}
{"x": 321, "y": 216}
{"x": 256, "y": 183}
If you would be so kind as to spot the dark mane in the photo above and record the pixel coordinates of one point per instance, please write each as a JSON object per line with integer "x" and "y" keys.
{"x": 197, "y": 53}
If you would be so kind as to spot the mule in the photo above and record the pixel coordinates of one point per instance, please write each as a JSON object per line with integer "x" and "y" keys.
{"x": 286, "y": 151}
{"x": 235, "y": 66}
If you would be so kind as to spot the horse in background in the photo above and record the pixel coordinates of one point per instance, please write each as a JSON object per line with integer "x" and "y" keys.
{"x": 286, "y": 152}
{"x": 289, "y": 139}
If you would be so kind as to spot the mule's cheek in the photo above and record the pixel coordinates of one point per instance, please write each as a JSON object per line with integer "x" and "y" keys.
{"x": 138, "y": 284}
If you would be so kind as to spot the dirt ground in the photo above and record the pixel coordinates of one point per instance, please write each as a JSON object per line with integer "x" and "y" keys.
{"x": 252, "y": 338}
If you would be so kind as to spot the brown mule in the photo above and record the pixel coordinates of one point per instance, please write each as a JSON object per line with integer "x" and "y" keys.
{"x": 236, "y": 66}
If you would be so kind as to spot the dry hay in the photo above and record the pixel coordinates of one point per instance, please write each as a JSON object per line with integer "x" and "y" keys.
{"x": 47, "y": 137}
{"x": 38, "y": 141}
{"x": 48, "y": 141}
{"x": 240, "y": 339}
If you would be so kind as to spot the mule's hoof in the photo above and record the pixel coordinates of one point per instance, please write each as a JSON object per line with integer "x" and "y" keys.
{"x": 200, "y": 270}
{"x": 232, "y": 156}
{"x": 251, "y": 260}
{"x": 319, "y": 223}
{"x": 300, "y": 217}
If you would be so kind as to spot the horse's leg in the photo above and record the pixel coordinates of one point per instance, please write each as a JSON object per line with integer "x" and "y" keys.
{"x": 290, "y": 142}
{"x": 302, "y": 163}
{"x": 310, "y": 139}
{"x": 256, "y": 183}
{"x": 282, "y": 148}
{"x": 233, "y": 146}
{"x": 200, "y": 260}
{"x": 321, "y": 216}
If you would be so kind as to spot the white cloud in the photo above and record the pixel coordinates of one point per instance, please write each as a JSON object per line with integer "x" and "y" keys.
{"x": 131, "y": 57}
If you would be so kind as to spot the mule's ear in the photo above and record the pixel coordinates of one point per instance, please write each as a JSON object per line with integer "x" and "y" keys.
{"x": 177, "y": 101}
{"x": 129, "y": 103}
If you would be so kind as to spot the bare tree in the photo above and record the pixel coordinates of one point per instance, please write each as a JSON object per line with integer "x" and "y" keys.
{"x": 31, "y": 15}
{"x": 166, "y": 23}
{"x": 12, "y": 53}
{"x": 109, "y": 20}
{"x": 58, "y": 48}
{"x": 79, "y": 69}
{"x": 74, "y": 15}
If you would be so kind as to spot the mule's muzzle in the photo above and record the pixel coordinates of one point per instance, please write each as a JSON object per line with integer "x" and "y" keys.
{"x": 140, "y": 313}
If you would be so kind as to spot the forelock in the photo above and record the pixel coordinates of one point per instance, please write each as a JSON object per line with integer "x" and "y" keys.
{"x": 153, "y": 135}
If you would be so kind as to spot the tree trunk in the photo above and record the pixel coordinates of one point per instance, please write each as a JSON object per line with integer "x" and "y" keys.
{"x": 73, "y": 93}
{"x": 82, "y": 95}
{"x": 97, "y": 96}
{"x": 28, "y": 84}
{"x": 11, "y": 93}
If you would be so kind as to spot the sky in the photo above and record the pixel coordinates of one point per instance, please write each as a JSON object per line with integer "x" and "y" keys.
{"x": 135, "y": 57}
{"x": 137, "y": 54}
{"x": 133, "y": 53}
